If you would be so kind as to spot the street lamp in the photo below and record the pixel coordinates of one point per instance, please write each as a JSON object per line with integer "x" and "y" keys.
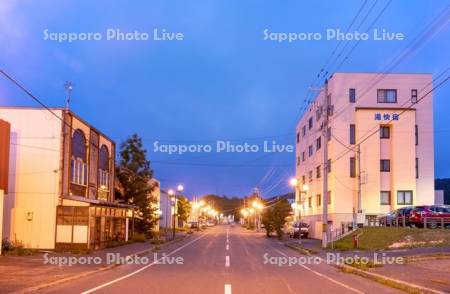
{"x": 173, "y": 197}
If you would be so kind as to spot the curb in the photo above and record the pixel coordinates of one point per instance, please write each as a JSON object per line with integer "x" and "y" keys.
{"x": 84, "y": 274}
{"x": 393, "y": 283}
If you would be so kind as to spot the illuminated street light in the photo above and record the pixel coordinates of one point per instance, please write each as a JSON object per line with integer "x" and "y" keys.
{"x": 180, "y": 188}
{"x": 294, "y": 182}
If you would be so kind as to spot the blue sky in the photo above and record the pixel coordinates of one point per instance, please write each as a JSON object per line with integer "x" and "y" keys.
{"x": 223, "y": 81}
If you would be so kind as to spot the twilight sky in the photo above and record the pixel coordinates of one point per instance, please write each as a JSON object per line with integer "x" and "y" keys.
{"x": 223, "y": 81}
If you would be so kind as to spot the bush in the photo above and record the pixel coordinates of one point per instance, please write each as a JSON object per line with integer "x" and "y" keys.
{"x": 14, "y": 248}
{"x": 139, "y": 237}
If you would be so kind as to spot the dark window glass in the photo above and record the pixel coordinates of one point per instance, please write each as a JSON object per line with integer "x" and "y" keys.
{"x": 103, "y": 157}
{"x": 385, "y": 197}
{"x": 318, "y": 143}
{"x": 298, "y": 137}
{"x": 417, "y": 135}
{"x": 318, "y": 171}
{"x": 352, "y": 95}
{"x": 352, "y": 134}
{"x": 417, "y": 168}
{"x": 310, "y": 123}
{"x": 384, "y": 132}
{"x": 404, "y": 197}
{"x": 387, "y": 96}
{"x": 414, "y": 96}
{"x": 79, "y": 145}
{"x": 385, "y": 165}
{"x": 352, "y": 167}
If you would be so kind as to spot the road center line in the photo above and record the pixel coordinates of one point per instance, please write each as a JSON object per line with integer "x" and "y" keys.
{"x": 322, "y": 275}
{"x": 228, "y": 247}
{"x": 227, "y": 288}
{"x": 227, "y": 261}
{"x": 141, "y": 269}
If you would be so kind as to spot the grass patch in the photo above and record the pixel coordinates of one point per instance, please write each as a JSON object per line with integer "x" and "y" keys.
{"x": 356, "y": 263}
{"x": 382, "y": 238}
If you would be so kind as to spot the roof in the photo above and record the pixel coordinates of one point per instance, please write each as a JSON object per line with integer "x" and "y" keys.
{"x": 59, "y": 109}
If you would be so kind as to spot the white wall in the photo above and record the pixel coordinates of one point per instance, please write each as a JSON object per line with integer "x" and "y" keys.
{"x": 30, "y": 206}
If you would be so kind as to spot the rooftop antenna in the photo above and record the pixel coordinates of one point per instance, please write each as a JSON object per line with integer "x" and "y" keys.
{"x": 68, "y": 87}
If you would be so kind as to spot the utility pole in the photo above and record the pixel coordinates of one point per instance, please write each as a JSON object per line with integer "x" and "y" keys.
{"x": 359, "y": 208}
{"x": 68, "y": 87}
{"x": 325, "y": 228}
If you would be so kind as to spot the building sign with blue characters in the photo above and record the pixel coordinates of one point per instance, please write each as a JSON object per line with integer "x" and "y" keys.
{"x": 386, "y": 116}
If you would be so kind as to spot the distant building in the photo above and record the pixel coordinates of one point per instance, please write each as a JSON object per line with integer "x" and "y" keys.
{"x": 156, "y": 195}
{"x": 166, "y": 207}
{"x": 61, "y": 180}
{"x": 397, "y": 162}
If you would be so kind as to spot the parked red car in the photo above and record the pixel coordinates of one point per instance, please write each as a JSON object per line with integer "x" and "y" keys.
{"x": 417, "y": 215}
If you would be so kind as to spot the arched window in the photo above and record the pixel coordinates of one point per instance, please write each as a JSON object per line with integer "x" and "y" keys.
{"x": 79, "y": 145}
{"x": 78, "y": 159}
{"x": 103, "y": 168}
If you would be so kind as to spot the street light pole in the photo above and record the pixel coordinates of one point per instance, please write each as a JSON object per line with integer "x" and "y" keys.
{"x": 173, "y": 194}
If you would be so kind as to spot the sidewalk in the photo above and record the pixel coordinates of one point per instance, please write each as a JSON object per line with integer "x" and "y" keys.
{"x": 18, "y": 273}
{"x": 427, "y": 267}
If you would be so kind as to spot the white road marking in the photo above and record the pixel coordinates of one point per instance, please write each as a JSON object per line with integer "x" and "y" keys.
{"x": 141, "y": 269}
{"x": 228, "y": 247}
{"x": 323, "y": 275}
{"x": 227, "y": 288}
{"x": 227, "y": 261}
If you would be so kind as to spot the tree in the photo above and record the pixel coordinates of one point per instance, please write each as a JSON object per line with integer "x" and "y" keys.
{"x": 183, "y": 208}
{"x": 274, "y": 217}
{"x": 134, "y": 173}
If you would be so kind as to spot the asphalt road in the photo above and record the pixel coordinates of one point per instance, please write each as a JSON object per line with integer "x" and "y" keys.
{"x": 223, "y": 259}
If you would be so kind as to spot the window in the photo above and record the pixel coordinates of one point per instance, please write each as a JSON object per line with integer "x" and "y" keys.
{"x": 386, "y": 96}
{"x": 310, "y": 202}
{"x": 329, "y": 134}
{"x": 303, "y": 156}
{"x": 103, "y": 168}
{"x": 318, "y": 143}
{"x": 417, "y": 135}
{"x": 329, "y": 197}
{"x": 385, "y": 132}
{"x": 310, "y": 150}
{"x": 303, "y": 131}
{"x": 385, "y": 197}
{"x": 385, "y": 165}
{"x": 303, "y": 180}
{"x": 310, "y": 176}
{"x": 352, "y": 95}
{"x": 310, "y": 123}
{"x": 417, "y": 168}
{"x": 352, "y": 134}
{"x": 318, "y": 199}
{"x": 78, "y": 167}
{"x": 329, "y": 165}
{"x": 404, "y": 197}
{"x": 298, "y": 160}
{"x": 318, "y": 114}
{"x": 318, "y": 171}
{"x": 414, "y": 96}
{"x": 298, "y": 138}
{"x": 352, "y": 167}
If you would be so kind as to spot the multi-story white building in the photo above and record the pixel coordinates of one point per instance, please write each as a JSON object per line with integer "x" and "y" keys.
{"x": 383, "y": 115}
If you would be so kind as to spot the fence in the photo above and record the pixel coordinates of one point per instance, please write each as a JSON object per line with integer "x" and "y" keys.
{"x": 403, "y": 221}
